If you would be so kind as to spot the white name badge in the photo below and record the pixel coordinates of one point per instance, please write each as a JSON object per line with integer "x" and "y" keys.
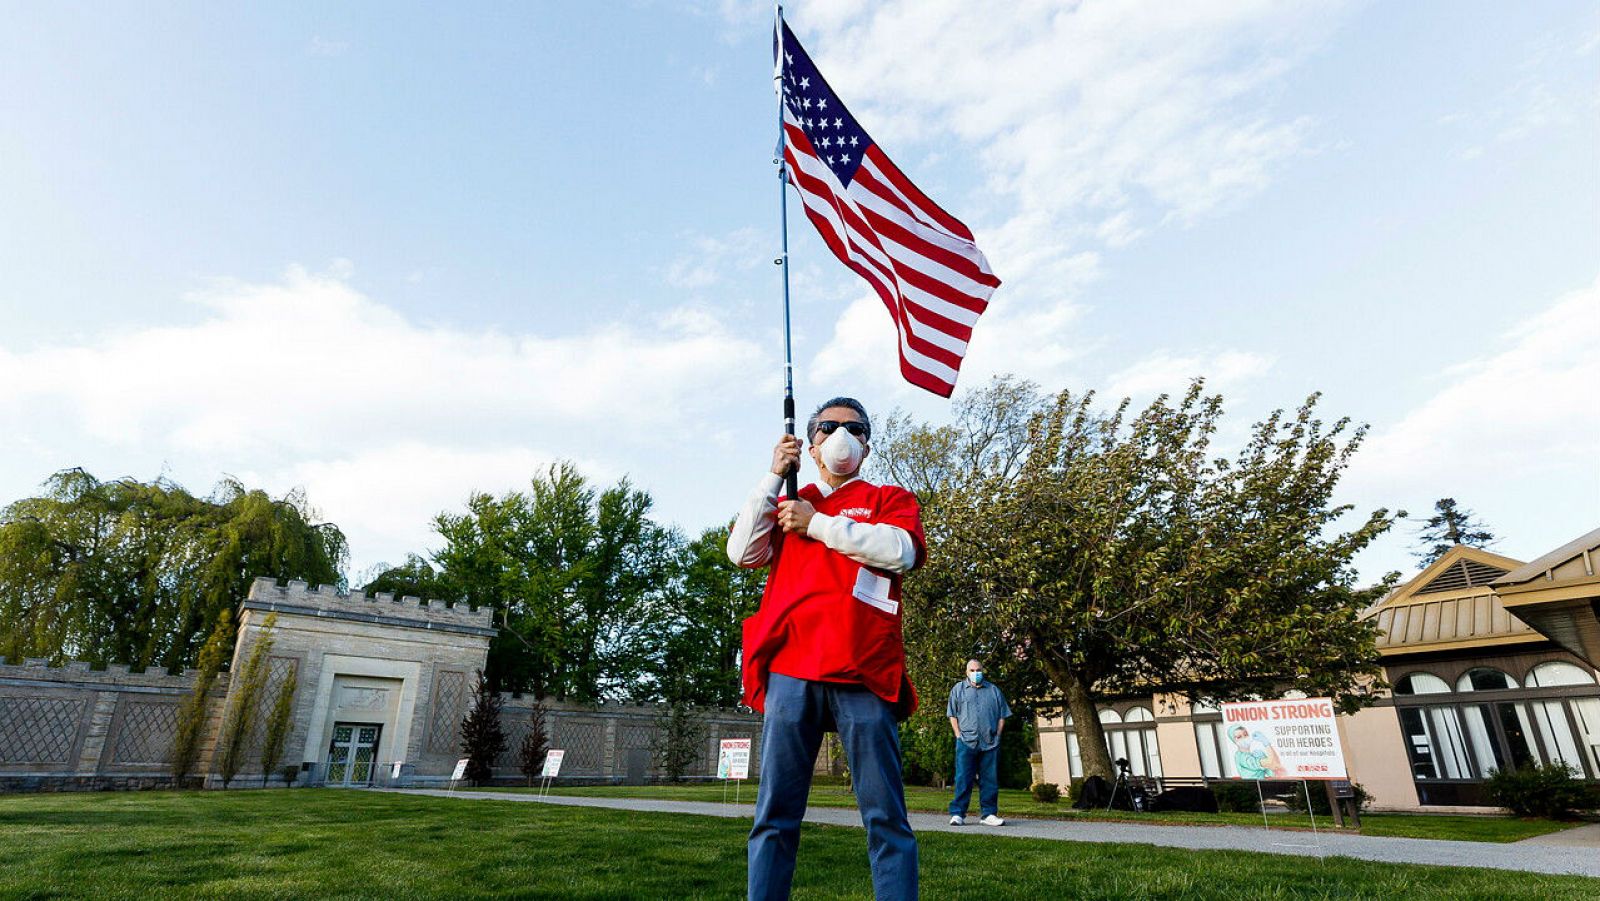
{"x": 874, "y": 589}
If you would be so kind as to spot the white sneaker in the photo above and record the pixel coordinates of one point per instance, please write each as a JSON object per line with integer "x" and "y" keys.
{"x": 958, "y": 821}
{"x": 992, "y": 820}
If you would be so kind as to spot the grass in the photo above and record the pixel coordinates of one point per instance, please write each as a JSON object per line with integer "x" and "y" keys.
{"x": 1017, "y": 803}
{"x": 348, "y": 844}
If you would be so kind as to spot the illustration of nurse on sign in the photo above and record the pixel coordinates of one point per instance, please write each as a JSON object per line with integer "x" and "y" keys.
{"x": 1254, "y": 756}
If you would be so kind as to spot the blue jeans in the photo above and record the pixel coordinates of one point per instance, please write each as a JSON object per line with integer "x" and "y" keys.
{"x": 984, "y": 765}
{"x": 798, "y": 713}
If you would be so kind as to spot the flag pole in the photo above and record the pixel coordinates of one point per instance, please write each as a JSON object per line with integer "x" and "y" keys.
{"x": 791, "y": 479}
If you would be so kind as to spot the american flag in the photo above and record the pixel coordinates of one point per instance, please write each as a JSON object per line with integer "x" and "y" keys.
{"x": 920, "y": 260}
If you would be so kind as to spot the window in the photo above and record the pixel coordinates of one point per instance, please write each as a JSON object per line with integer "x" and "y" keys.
{"x": 1464, "y": 739}
{"x": 1484, "y": 679}
{"x": 1421, "y": 684}
{"x": 1130, "y": 736}
{"x": 1554, "y": 673}
{"x": 1216, "y": 758}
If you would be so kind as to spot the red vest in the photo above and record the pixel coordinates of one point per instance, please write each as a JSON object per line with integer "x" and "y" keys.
{"x": 827, "y": 618}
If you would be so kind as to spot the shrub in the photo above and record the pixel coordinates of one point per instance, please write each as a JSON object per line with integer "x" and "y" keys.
{"x": 1237, "y": 797}
{"x": 1296, "y": 800}
{"x": 279, "y": 722}
{"x": 1547, "y": 790}
{"x": 680, "y": 734}
{"x": 482, "y": 739}
{"x": 1074, "y": 787}
{"x": 1046, "y": 792}
{"x": 192, "y": 713}
{"x": 243, "y": 699}
{"x": 530, "y": 754}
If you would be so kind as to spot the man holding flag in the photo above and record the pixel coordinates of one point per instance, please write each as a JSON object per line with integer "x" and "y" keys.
{"x": 824, "y": 653}
{"x": 825, "y": 650}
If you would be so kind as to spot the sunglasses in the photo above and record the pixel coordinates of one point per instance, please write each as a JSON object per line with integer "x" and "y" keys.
{"x": 828, "y": 427}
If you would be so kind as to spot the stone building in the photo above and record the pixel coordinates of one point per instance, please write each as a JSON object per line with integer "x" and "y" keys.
{"x": 380, "y": 685}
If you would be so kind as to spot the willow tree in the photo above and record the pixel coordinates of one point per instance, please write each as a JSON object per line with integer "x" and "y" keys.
{"x": 140, "y": 572}
{"x": 1089, "y": 555}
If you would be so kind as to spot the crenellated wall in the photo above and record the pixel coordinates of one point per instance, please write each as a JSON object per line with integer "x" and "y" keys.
{"x": 73, "y": 727}
{"x": 404, "y": 665}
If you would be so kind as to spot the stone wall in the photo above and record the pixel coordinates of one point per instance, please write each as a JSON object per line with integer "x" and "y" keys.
{"x": 404, "y": 664}
{"x": 619, "y": 743}
{"x": 71, "y": 727}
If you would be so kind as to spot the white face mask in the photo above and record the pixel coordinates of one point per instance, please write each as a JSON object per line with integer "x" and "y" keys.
{"x": 842, "y": 453}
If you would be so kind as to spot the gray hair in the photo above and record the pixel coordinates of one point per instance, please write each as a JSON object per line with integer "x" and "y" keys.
{"x": 848, "y": 402}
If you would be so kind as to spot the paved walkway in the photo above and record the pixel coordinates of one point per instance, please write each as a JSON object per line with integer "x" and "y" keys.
{"x": 1527, "y": 856}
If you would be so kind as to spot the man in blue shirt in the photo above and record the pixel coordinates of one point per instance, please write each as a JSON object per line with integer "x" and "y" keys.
{"x": 977, "y": 712}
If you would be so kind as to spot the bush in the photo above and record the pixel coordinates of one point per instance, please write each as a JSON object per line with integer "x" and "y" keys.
{"x": 1547, "y": 790}
{"x": 1046, "y": 792}
{"x": 1296, "y": 800}
{"x": 1074, "y": 787}
{"x": 1236, "y": 797}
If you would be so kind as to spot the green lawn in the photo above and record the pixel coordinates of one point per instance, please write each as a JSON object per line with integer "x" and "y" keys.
{"x": 322, "y": 843}
{"x": 1017, "y": 803}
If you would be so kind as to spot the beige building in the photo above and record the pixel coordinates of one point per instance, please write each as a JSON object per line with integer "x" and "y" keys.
{"x": 1492, "y": 663}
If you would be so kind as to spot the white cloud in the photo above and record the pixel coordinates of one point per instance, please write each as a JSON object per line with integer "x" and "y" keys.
{"x": 291, "y": 363}
{"x": 1509, "y": 434}
{"x": 710, "y": 260}
{"x": 1091, "y": 125}
{"x": 385, "y": 497}
{"x": 307, "y": 381}
{"x": 1169, "y": 373}
{"x": 1522, "y": 411}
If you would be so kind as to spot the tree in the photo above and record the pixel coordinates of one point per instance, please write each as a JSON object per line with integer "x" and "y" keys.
{"x": 578, "y": 577}
{"x": 679, "y": 736}
{"x": 1449, "y": 526}
{"x": 140, "y": 572}
{"x": 243, "y": 699}
{"x": 482, "y": 738}
{"x": 279, "y": 722}
{"x": 1087, "y": 555}
{"x": 700, "y": 658}
{"x": 530, "y": 754}
{"x": 192, "y": 712}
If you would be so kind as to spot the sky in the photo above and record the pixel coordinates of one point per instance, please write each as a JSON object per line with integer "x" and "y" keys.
{"x": 392, "y": 254}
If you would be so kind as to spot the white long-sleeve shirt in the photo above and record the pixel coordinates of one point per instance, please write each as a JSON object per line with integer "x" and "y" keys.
{"x": 875, "y": 544}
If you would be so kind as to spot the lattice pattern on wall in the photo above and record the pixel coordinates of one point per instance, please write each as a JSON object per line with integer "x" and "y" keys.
{"x": 510, "y": 760}
{"x": 449, "y": 703}
{"x": 585, "y": 744}
{"x": 279, "y": 669}
{"x": 145, "y": 733}
{"x": 636, "y": 736}
{"x": 38, "y": 729}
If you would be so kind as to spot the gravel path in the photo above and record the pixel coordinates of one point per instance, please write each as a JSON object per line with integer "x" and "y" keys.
{"x": 1527, "y": 856}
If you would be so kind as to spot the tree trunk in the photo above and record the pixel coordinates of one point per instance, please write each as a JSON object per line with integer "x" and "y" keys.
{"x": 1092, "y": 749}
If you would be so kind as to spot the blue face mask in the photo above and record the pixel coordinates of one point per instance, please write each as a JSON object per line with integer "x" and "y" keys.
{"x": 976, "y": 677}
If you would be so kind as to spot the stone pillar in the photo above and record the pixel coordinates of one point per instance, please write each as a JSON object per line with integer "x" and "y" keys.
{"x": 94, "y": 750}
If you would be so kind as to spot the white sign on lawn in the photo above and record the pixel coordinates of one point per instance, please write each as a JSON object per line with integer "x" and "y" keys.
{"x": 552, "y": 764}
{"x": 461, "y": 770}
{"x": 1290, "y": 739}
{"x": 733, "y": 759}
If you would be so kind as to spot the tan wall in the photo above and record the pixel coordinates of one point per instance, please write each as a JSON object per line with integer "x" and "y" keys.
{"x": 1375, "y": 755}
{"x": 1180, "y": 757}
{"x": 1053, "y": 751}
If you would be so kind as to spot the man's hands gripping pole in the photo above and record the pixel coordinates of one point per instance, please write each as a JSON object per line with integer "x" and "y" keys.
{"x": 793, "y": 515}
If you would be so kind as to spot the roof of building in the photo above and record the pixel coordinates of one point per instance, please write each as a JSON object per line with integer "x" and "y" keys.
{"x": 1547, "y": 565}
{"x": 1450, "y": 605}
